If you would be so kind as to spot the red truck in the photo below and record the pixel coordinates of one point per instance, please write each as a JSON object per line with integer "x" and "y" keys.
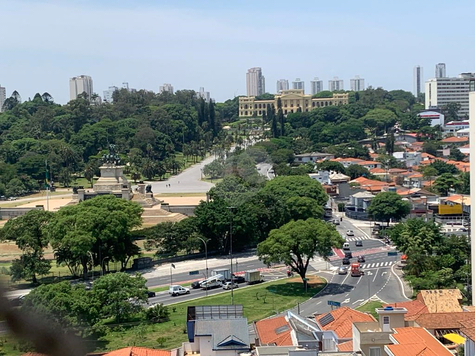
{"x": 356, "y": 270}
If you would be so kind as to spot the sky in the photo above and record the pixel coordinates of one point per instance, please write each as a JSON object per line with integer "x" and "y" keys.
{"x": 211, "y": 44}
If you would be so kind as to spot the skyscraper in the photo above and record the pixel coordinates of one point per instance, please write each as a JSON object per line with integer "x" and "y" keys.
{"x": 166, "y": 87}
{"x": 440, "y": 70}
{"x": 335, "y": 84}
{"x": 418, "y": 78}
{"x": 255, "y": 82}
{"x": 282, "y": 84}
{"x": 108, "y": 94}
{"x": 3, "y": 97}
{"x": 357, "y": 84}
{"x": 203, "y": 94}
{"x": 79, "y": 85}
{"x": 316, "y": 86}
{"x": 298, "y": 84}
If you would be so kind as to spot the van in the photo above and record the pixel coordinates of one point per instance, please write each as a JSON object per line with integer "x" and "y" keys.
{"x": 178, "y": 290}
{"x": 346, "y": 246}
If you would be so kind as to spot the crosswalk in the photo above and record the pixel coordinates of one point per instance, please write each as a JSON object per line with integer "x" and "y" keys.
{"x": 356, "y": 238}
{"x": 377, "y": 264}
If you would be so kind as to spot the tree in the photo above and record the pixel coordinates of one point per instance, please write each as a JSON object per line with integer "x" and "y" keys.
{"x": 455, "y": 154}
{"x": 120, "y": 295}
{"x": 429, "y": 173}
{"x": 355, "y": 171}
{"x": 214, "y": 169}
{"x": 297, "y": 242}
{"x": 445, "y": 182}
{"x": 443, "y": 167}
{"x": 28, "y": 231}
{"x": 158, "y": 313}
{"x": 430, "y": 147}
{"x": 450, "y": 111}
{"x": 331, "y": 166}
{"x": 285, "y": 188}
{"x": 388, "y": 205}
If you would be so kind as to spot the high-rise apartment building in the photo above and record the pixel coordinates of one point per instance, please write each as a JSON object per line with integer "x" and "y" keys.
{"x": 440, "y": 70}
{"x": 203, "y": 94}
{"x": 255, "y": 82}
{"x": 316, "y": 86}
{"x": 108, "y": 94}
{"x": 282, "y": 84}
{"x": 79, "y": 85}
{"x": 357, "y": 84}
{"x": 298, "y": 84}
{"x": 335, "y": 84}
{"x": 442, "y": 91}
{"x": 3, "y": 97}
{"x": 166, "y": 87}
{"x": 417, "y": 78}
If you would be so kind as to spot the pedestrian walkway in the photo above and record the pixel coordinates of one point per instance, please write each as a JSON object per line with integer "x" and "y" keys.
{"x": 377, "y": 264}
{"x": 359, "y": 238}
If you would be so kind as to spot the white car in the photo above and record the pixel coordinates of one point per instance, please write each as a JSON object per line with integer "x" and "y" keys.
{"x": 178, "y": 290}
{"x": 228, "y": 285}
{"x": 350, "y": 233}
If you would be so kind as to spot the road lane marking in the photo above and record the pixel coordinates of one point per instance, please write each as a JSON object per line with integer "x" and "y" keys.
{"x": 346, "y": 301}
{"x": 375, "y": 275}
{"x": 344, "y": 280}
{"x": 359, "y": 300}
{"x": 359, "y": 280}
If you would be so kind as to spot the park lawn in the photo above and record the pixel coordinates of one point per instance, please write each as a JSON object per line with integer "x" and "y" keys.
{"x": 370, "y": 308}
{"x": 212, "y": 180}
{"x": 259, "y": 301}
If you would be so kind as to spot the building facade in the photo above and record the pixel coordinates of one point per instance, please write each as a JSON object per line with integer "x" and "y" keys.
{"x": 316, "y": 86}
{"x": 166, "y": 87}
{"x": 282, "y": 84}
{"x": 3, "y": 97}
{"x": 440, "y": 70}
{"x": 79, "y": 85}
{"x": 417, "y": 78}
{"x": 442, "y": 91}
{"x": 108, "y": 94}
{"x": 203, "y": 94}
{"x": 255, "y": 82}
{"x": 292, "y": 101}
{"x": 298, "y": 84}
{"x": 335, "y": 84}
{"x": 357, "y": 84}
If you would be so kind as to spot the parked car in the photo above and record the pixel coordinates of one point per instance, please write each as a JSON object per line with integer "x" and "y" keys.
{"x": 348, "y": 254}
{"x": 228, "y": 285}
{"x": 358, "y": 243}
{"x": 350, "y": 233}
{"x": 342, "y": 270}
{"x": 361, "y": 259}
{"x": 178, "y": 290}
{"x": 151, "y": 294}
{"x": 346, "y": 261}
{"x": 18, "y": 301}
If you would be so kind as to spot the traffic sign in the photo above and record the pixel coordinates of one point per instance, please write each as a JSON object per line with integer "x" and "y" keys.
{"x": 392, "y": 253}
{"x": 333, "y": 303}
{"x": 194, "y": 272}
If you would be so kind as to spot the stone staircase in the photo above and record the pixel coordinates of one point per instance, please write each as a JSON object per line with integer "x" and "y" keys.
{"x": 154, "y": 216}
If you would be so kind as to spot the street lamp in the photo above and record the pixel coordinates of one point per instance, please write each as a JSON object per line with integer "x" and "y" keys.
{"x": 92, "y": 258}
{"x": 102, "y": 265}
{"x": 206, "y": 254}
{"x": 231, "y": 209}
{"x": 171, "y": 274}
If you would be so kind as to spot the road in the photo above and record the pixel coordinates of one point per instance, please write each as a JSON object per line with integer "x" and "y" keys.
{"x": 265, "y": 170}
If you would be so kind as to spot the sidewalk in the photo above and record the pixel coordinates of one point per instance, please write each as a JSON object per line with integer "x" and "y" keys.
{"x": 406, "y": 288}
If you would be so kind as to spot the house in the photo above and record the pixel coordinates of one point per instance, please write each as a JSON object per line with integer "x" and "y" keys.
{"x": 411, "y": 341}
{"x": 457, "y": 141}
{"x": 412, "y": 180}
{"x": 414, "y": 308}
{"x": 312, "y": 157}
{"x": 361, "y": 200}
{"x": 441, "y": 300}
{"x": 468, "y": 332}
{"x": 369, "y": 164}
{"x": 436, "y": 118}
{"x": 346, "y": 162}
{"x": 138, "y": 351}
{"x": 216, "y": 330}
{"x": 292, "y": 330}
{"x": 323, "y": 177}
{"x": 463, "y": 133}
{"x": 295, "y": 351}
{"x": 452, "y": 127}
{"x": 370, "y": 185}
{"x": 380, "y": 173}
{"x": 341, "y": 322}
{"x": 410, "y": 159}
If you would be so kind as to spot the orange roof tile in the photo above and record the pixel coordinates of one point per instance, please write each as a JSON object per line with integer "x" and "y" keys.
{"x": 345, "y": 346}
{"x": 454, "y": 139}
{"x": 397, "y": 170}
{"x": 268, "y": 333}
{"x": 443, "y": 320}
{"x": 427, "y": 155}
{"x": 377, "y": 170}
{"x": 138, "y": 351}
{"x": 414, "y": 308}
{"x": 364, "y": 163}
{"x": 441, "y": 300}
{"x": 413, "y": 341}
{"x": 344, "y": 318}
{"x": 468, "y": 329}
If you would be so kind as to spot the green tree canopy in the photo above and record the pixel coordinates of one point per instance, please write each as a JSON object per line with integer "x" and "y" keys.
{"x": 355, "y": 171}
{"x": 331, "y": 166}
{"x": 303, "y": 186}
{"x": 388, "y": 205}
{"x": 446, "y": 182}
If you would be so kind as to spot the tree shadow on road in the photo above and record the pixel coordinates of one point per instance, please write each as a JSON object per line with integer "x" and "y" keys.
{"x": 334, "y": 289}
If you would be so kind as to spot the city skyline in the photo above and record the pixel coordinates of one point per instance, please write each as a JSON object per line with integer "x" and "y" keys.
{"x": 232, "y": 46}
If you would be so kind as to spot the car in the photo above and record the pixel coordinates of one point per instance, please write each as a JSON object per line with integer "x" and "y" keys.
{"x": 196, "y": 284}
{"x": 348, "y": 254}
{"x": 346, "y": 261}
{"x": 350, "y": 233}
{"x": 228, "y": 285}
{"x": 336, "y": 222}
{"x": 12, "y": 198}
{"x": 238, "y": 279}
{"x": 178, "y": 290}
{"x": 361, "y": 259}
{"x": 342, "y": 270}
{"x": 358, "y": 243}
{"x": 151, "y": 294}
{"x": 346, "y": 246}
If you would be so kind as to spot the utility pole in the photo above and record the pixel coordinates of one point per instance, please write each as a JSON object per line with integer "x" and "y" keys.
{"x": 231, "y": 209}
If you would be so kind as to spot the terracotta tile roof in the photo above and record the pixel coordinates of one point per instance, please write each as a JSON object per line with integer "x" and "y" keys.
{"x": 416, "y": 342}
{"x": 465, "y": 146}
{"x": 441, "y": 300}
{"x": 397, "y": 170}
{"x": 468, "y": 329}
{"x": 427, "y": 155}
{"x": 344, "y": 318}
{"x": 366, "y": 163}
{"x": 345, "y": 346}
{"x": 274, "y": 331}
{"x": 374, "y": 155}
{"x": 377, "y": 170}
{"x": 454, "y": 139}
{"x": 414, "y": 309}
{"x": 138, "y": 351}
{"x": 443, "y": 320}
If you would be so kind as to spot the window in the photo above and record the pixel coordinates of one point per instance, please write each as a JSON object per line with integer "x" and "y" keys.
{"x": 386, "y": 320}
{"x": 374, "y": 351}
